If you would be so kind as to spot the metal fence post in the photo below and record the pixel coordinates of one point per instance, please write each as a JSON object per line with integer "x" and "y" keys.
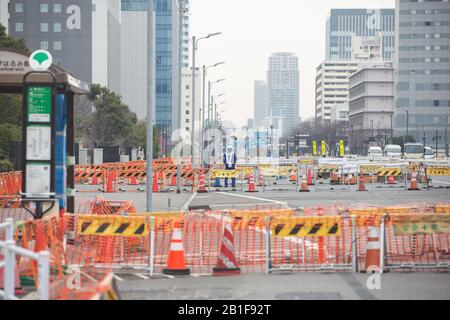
{"x": 354, "y": 245}
{"x": 44, "y": 275}
{"x": 382, "y": 237}
{"x": 9, "y": 270}
{"x": 10, "y": 229}
{"x": 268, "y": 261}
{"x": 151, "y": 266}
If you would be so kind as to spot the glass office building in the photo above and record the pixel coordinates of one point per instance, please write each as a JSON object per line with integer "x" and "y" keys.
{"x": 343, "y": 24}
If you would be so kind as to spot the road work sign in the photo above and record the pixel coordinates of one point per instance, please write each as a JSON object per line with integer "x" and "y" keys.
{"x": 324, "y": 148}
{"x": 439, "y": 171}
{"x": 224, "y": 174}
{"x": 314, "y": 145}
{"x": 436, "y": 224}
{"x": 112, "y": 226}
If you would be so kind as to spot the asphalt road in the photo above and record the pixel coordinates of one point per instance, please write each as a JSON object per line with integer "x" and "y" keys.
{"x": 283, "y": 194}
{"x": 304, "y": 286}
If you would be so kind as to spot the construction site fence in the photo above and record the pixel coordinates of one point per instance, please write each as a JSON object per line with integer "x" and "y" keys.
{"x": 267, "y": 241}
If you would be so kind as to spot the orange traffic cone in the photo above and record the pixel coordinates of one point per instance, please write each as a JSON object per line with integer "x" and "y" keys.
{"x": 362, "y": 186}
{"x": 414, "y": 186}
{"x": 391, "y": 180}
{"x": 304, "y": 187}
{"x": 173, "y": 181}
{"x": 227, "y": 263}
{"x": 133, "y": 181}
{"x": 201, "y": 186}
{"x": 176, "y": 260}
{"x": 251, "y": 185}
{"x": 261, "y": 180}
{"x": 373, "y": 250}
{"x": 109, "y": 183}
{"x": 18, "y": 290}
{"x": 94, "y": 181}
{"x": 155, "y": 184}
{"x": 310, "y": 178}
{"x": 293, "y": 178}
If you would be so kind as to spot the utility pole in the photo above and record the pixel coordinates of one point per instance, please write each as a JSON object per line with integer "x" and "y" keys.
{"x": 194, "y": 49}
{"x": 150, "y": 101}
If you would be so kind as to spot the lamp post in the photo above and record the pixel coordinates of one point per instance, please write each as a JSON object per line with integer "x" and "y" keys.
{"x": 445, "y": 117}
{"x": 211, "y": 100}
{"x": 205, "y": 71}
{"x": 194, "y": 51}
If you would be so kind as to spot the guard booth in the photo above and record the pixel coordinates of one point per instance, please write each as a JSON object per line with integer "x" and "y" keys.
{"x": 48, "y": 169}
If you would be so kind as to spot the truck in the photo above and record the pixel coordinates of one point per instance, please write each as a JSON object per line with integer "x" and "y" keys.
{"x": 393, "y": 151}
{"x": 414, "y": 151}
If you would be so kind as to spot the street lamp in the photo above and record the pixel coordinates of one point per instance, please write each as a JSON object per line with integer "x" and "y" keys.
{"x": 211, "y": 99}
{"x": 194, "y": 51}
{"x": 205, "y": 71}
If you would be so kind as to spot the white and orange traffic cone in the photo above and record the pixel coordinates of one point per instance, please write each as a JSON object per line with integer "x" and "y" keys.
{"x": 133, "y": 181}
{"x": 362, "y": 186}
{"x": 310, "y": 178}
{"x": 251, "y": 184}
{"x": 304, "y": 187}
{"x": 373, "y": 250}
{"x": 202, "y": 184}
{"x": 176, "y": 260}
{"x": 155, "y": 187}
{"x": 414, "y": 186}
{"x": 94, "y": 181}
{"x": 227, "y": 263}
{"x": 261, "y": 180}
{"x": 293, "y": 178}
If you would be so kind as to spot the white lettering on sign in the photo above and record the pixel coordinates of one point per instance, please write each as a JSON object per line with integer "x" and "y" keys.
{"x": 74, "y": 20}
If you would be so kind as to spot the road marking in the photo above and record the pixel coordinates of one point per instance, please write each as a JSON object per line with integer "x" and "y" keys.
{"x": 118, "y": 278}
{"x": 167, "y": 276}
{"x": 284, "y": 204}
{"x": 443, "y": 182}
{"x": 141, "y": 276}
{"x": 185, "y": 208}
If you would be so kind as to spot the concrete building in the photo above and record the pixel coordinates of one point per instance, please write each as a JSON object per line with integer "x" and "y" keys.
{"x": 80, "y": 34}
{"x": 340, "y": 114}
{"x": 366, "y": 49}
{"x": 106, "y": 48}
{"x": 260, "y": 105}
{"x": 423, "y": 69}
{"x": 371, "y": 105}
{"x": 284, "y": 90}
{"x": 64, "y": 28}
{"x": 186, "y": 110}
{"x": 332, "y": 79}
{"x": 343, "y": 24}
{"x": 4, "y": 14}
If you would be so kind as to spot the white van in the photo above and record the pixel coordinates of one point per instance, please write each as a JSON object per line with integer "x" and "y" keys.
{"x": 414, "y": 151}
{"x": 429, "y": 153}
{"x": 375, "y": 153}
{"x": 393, "y": 151}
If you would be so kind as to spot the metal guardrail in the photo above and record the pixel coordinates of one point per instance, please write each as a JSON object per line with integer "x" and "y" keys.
{"x": 9, "y": 264}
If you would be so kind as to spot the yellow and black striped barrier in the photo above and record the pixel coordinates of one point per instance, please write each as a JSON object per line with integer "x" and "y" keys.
{"x": 116, "y": 226}
{"x": 224, "y": 174}
{"x": 306, "y": 227}
{"x": 392, "y": 172}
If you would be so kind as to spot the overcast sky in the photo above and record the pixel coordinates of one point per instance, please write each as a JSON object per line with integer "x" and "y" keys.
{"x": 252, "y": 30}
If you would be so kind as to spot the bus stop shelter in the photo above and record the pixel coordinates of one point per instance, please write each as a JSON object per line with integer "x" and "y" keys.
{"x": 13, "y": 68}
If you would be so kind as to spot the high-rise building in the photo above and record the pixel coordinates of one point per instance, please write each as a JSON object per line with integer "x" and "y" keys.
{"x": 343, "y": 24}
{"x": 371, "y": 105}
{"x": 186, "y": 98}
{"x": 366, "y": 49}
{"x": 423, "y": 69}
{"x": 80, "y": 34}
{"x": 332, "y": 86}
{"x": 284, "y": 90}
{"x": 260, "y": 105}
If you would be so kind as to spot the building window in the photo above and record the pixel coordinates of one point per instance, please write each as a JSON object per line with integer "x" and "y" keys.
{"x": 57, "y": 45}
{"x": 19, "y": 27}
{"x": 187, "y": 120}
{"x": 44, "y": 45}
{"x": 57, "y": 8}
{"x": 44, "y": 27}
{"x": 187, "y": 112}
{"x": 57, "y": 27}
{"x": 19, "y": 7}
{"x": 436, "y": 103}
{"x": 44, "y": 7}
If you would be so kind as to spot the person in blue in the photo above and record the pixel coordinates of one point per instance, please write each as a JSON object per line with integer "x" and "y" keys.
{"x": 230, "y": 159}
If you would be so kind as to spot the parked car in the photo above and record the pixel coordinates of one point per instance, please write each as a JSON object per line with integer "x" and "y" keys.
{"x": 375, "y": 153}
{"x": 393, "y": 151}
{"x": 429, "y": 153}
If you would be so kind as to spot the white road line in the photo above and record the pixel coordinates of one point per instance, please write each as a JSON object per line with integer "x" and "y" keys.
{"x": 187, "y": 204}
{"x": 118, "y": 278}
{"x": 443, "y": 182}
{"x": 167, "y": 276}
{"x": 141, "y": 276}
{"x": 254, "y": 198}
